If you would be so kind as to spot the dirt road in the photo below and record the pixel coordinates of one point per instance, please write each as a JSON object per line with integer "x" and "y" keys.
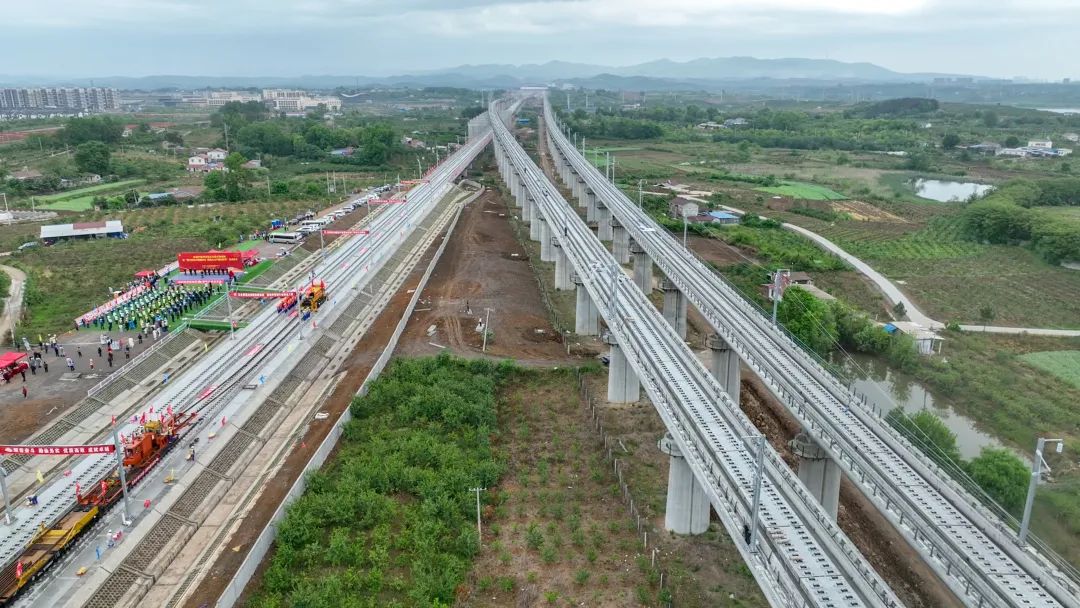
{"x": 13, "y": 303}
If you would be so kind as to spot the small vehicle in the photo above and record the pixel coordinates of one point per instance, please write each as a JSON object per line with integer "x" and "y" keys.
{"x": 314, "y": 296}
{"x": 12, "y": 364}
{"x": 27, "y": 245}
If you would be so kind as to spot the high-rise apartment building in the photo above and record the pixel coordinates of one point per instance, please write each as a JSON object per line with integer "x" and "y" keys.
{"x": 96, "y": 99}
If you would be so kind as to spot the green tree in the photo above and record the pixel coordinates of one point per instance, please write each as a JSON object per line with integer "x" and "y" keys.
{"x": 986, "y": 315}
{"x": 236, "y": 177}
{"x": 809, "y": 319}
{"x": 929, "y": 433}
{"x": 1001, "y": 475}
{"x": 990, "y": 118}
{"x": 950, "y": 141}
{"x": 1012, "y": 141}
{"x": 92, "y": 157}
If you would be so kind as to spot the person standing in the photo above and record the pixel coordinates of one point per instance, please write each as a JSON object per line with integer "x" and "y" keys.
{"x": 70, "y": 364}
{"x": 44, "y": 365}
{"x": 24, "y": 391}
{"x": 78, "y": 351}
{"x": 91, "y": 363}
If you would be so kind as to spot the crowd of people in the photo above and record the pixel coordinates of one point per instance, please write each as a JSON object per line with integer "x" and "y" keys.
{"x": 151, "y": 309}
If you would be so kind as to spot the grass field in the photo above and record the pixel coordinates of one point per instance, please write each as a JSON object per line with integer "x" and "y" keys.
{"x": 81, "y": 203}
{"x": 78, "y": 192}
{"x": 1064, "y": 364}
{"x": 802, "y": 190}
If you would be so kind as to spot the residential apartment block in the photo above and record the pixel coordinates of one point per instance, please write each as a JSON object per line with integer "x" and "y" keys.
{"x": 97, "y": 99}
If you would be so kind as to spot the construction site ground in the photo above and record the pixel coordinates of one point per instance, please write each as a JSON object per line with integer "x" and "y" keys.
{"x": 484, "y": 267}
{"x": 49, "y": 395}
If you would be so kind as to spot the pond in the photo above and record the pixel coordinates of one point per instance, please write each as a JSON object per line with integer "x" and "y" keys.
{"x": 887, "y": 389}
{"x": 948, "y": 191}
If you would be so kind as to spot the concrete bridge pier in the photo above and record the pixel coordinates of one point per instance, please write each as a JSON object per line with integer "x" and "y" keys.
{"x": 724, "y": 365}
{"x": 642, "y": 268}
{"x": 688, "y": 507}
{"x": 546, "y": 253}
{"x": 620, "y": 242}
{"x": 528, "y": 209}
{"x": 674, "y": 307}
{"x": 535, "y": 220}
{"x": 604, "y": 227}
{"x": 586, "y": 316}
{"x": 582, "y": 192}
{"x": 819, "y": 473}
{"x": 522, "y": 192}
{"x": 563, "y": 282}
{"x": 590, "y": 207}
{"x": 623, "y": 385}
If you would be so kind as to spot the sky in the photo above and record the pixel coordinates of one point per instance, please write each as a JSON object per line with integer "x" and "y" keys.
{"x": 80, "y": 38}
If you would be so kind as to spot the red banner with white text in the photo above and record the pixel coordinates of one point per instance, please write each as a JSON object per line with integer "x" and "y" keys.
{"x": 57, "y": 450}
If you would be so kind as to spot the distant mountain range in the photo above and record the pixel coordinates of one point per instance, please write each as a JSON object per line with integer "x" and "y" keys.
{"x": 704, "y": 73}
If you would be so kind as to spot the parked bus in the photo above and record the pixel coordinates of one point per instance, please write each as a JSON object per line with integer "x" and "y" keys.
{"x": 286, "y": 237}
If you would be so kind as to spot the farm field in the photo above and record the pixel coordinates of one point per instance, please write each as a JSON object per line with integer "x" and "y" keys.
{"x": 802, "y": 190}
{"x": 389, "y": 519}
{"x": 560, "y": 533}
{"x": 78, "y": 192}
{"x": 1063, "y": 364}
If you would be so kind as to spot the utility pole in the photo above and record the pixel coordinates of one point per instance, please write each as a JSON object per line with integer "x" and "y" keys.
{"x": 640, "y": 192}
{"x": 615, "y": 293}
{"x": 226, "y": 136}
{"x": 777, "y": 291}
{"x": 607, "y": 166}
{"x": 4, "y": 194}
{"x": 123, "y": 476}
{"x": 479, "y": 533}
{"x": 419, "y": 170}
{"x": 1036, "y": 474}
{"x": 487, "y": 321}
{"x": 759, "y": 473}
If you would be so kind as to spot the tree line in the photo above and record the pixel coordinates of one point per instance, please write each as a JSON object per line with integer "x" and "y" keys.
{"x": 1006, "y": 216}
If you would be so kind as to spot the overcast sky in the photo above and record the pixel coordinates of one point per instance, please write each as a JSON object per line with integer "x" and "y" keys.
{"x": 1036, "y": 38}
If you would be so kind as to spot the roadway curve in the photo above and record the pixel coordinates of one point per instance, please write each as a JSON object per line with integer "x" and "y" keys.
{"x": 893, "y": 293}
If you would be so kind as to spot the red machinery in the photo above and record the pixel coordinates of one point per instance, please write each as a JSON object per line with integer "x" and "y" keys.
{"x": 13, "y": 364}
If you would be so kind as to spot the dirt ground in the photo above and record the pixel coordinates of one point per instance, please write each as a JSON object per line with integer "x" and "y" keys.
{"x": 356, "y": 368}
{"x": 483, "y": 267}
{"x": 48, "y": 394}
{"x": 559, "y": 533}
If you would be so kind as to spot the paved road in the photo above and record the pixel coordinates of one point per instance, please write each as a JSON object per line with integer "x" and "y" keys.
{"x": 13, "y": 303}
{"x": 893, "y": 293}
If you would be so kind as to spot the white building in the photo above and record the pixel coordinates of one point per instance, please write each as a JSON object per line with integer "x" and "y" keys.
{"x": 216, "y": 155}
{"x": 1045, "y": 144}
{"x": 293, "y": 101}
{"x": 197, "y": 163}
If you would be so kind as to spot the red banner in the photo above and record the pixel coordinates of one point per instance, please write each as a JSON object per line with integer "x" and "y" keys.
{"x": 260, "y": 295}
{"x": 349, "y": 232}
{"x": 210, "y": 260}
{"x": 387, "y": 201}
{"x": 57, "y": 450}
{"x": 200, "y": 281}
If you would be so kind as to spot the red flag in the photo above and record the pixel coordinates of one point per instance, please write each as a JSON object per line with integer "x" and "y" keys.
{"x": 77, "y": 489}
{"x": 222, "y": 421}
{"x": 104, "y": 487}
{"x": 114, "y": 420}
{"x": 67, "y": 473}
{"x": 18, "y": 569}
{"x": 143, "y": 419}
{"x": 151, "y": 409}
{"x": 146, "y": 503}
{"x": 168, "y": 409}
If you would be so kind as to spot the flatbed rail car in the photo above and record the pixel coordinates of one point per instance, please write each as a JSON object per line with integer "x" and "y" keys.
{"x": 141, "y": 452}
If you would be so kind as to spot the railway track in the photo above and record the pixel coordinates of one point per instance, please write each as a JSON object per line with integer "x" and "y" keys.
{"x": 803, "y": 558}
{"x": 212, "y": 385}
{"x": 949, "y": 524}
